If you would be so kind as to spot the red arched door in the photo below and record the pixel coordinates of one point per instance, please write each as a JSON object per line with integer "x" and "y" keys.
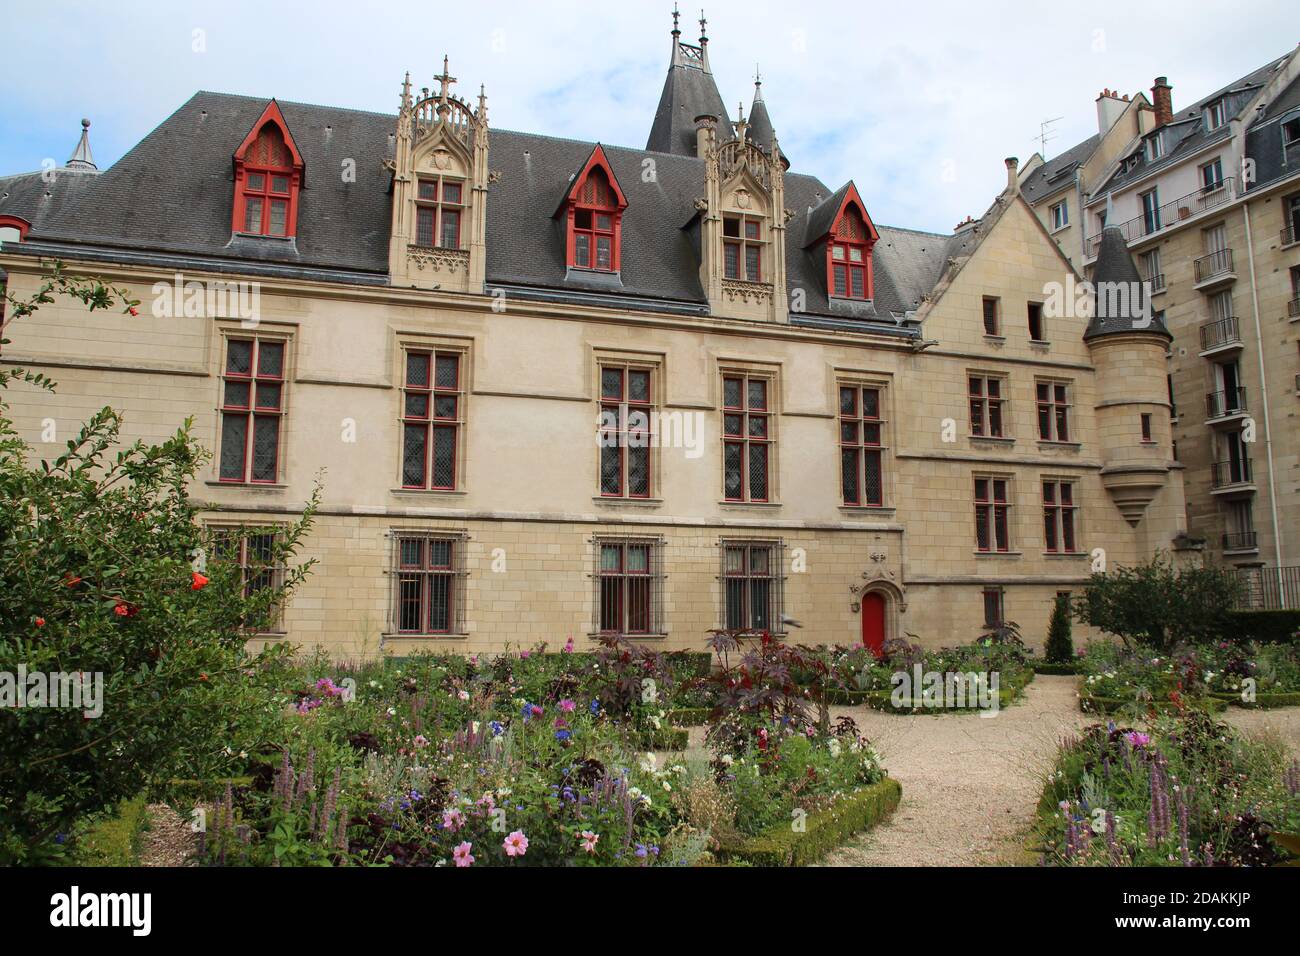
{"x": 873, "y": 621}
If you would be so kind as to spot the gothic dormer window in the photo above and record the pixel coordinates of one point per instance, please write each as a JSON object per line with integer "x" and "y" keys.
{"x": 268, "y": 176}
{"x": 849, "y": 257}
{"x": 742, "y": 247}
{"x": 439, "y": 208}
{"x": 595, "y": 207}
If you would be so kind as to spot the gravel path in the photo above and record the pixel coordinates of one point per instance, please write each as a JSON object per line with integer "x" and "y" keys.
{"x": 970, "y": 783}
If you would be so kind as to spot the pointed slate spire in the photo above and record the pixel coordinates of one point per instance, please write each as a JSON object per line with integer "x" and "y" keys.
{"x": 81, "y": 157}
{"x": 761, "y": 131}
{"x": 689, "y": 91}
{"x": 1123, "y": 300}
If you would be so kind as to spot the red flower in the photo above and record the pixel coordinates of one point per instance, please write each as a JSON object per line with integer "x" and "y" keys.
{"x": 197, "y": 581}
{"x": 133, "y": 311}
{"x": 205, "y": 677}
{"x": 72, "y": 580}
{"x": 40, "y": 622}
{"x": 122, "y": 609}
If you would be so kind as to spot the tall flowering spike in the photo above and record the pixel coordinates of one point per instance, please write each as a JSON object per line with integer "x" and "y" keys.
{"x": 1112, "y": 840}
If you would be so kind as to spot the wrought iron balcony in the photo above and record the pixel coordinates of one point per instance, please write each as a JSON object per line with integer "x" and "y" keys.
{"x": 1293, "y": 308}
{"x": 1172, "y": 213}
{"x": 1290, "y": 233}
{"x": 1241, "y": 541}
{"x": 1269, "y": 589}
{"x": 1214, "y": 266}
{"x": 1225, "y": 474}
{"x": 1219, "y": 333}
{"x": 1229, "y": 402}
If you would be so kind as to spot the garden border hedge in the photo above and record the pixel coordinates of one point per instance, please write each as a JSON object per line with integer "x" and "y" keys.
{"x": 1261, "y": 701}
{"x": 824, "y": 831}
{"x": 689, "y": 716}
{"x": 1090, "y": 704}
{"x": 882, "y": 699}
{"x": 1057, "y": 669}
{"x": 1267, "y": 627}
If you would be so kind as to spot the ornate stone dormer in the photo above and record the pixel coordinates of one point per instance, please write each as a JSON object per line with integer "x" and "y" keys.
{"x": 742, "y": 230}
{"x": 440, "y": 183}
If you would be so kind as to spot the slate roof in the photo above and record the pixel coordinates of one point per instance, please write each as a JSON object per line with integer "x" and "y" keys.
{"x": 1056, "y": 173}
{"x": 1264, "y": 137}
{"x": 1123, "y": 313}
{"x": 689, "y": 91}
{"x": 1188, "y": 131}
{"x": 40, "y": 196}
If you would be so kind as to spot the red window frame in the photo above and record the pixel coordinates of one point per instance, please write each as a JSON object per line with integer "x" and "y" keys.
{"x": 992, "y": 515}
{"x": 987, "y": 406}
{"x": 862, "y": 445}
{"x": 742, "y": 248}
{"x": 433, "y": 576}
{"x": 431, "y": 407}
{"x": 625, "y": 592}
{"x": 256, "y": 172}
{"x": 629, "y": 438}
{"x": 848, "y": 256}
{"x": 594, "y": 218}
{"x": 1053, "y": 399}
{"x": 252, "y": 550}
{"x": 1059, "y": 518}
{"x": 747, "y": 433}
{"x": 741, "y": 578}
{"x": 432, "y": 203}
{"x": 253, "y": 410}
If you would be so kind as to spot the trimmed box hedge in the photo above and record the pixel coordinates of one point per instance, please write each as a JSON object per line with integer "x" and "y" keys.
{"x": 689, "y": 716}
{"x": 1090, "y": 704}
{"x": 1057, "y": 669}
{"x": 1261, "y": 701}
{"x": 882, "y": 700}
{"x": 824, "y": 830}
{"x": 666, "y": 738}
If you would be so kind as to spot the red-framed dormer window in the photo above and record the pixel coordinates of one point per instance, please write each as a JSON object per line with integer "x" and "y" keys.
{"x": 595, "y": 217}
{"x": 439, "y": 209}
{"x": 268, "y": 177}
{"x": 848, "y": 257}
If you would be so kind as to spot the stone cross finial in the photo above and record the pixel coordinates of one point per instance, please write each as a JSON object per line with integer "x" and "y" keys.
{"x": 445, "y": 80}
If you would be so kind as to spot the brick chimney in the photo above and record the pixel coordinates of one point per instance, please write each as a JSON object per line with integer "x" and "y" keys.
{"x": 1162, "y": 98}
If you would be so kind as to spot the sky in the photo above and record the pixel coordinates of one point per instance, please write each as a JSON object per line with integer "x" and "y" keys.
{"x": 918, "y": 103}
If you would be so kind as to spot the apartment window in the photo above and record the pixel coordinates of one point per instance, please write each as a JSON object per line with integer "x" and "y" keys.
{"x": 986, "y": 404}
{"x": 1241, "y": 527}
{"x": 1155, "y": 148}
{"x": 1059, "y": 517}
{"x": 993, "y": 607}
{"x": 428, "y": 584}
{"x": 862, "y": 446}
{"x": 252, "y": 410}
{"x": 1173, "y": 406}
{"x": 627, "y": 586}
{"x": 751, "y": 585}
{"x": 1053, "y": 411}
{"x": 746, "y": 438}
{"x": 1211, "y": 176}
{"x": 439, "y": 206}
{"x": 254, "y": 552}
{"x": 1152, "y": 269}
{"x": 1060, "y": 215}
{"x": 625, "y": 436}
{"x": 1215, "y": 115}
{"x": 1292, "y": 221}
{"x": 992, "y": 325}
{"x": 1150, "y": 211}
{"x": 992, "y": 514}
{"x": 1036, "y": 331}
{"x": 1290, "y": 140}
{"x": 742, "y": 248}
{"x": 431, "y": 422}
{"x": 1146, "y": 428}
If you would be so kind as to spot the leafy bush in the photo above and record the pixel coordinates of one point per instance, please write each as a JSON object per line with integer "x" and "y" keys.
{"x": 1159, "y": 604}
{"x": 96, "y": 577}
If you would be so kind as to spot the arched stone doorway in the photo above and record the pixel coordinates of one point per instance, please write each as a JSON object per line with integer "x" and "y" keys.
{"x": 878, "y": 604}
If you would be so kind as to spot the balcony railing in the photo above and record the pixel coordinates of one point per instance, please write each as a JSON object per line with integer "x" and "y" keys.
{"x": 1293, "y": 307}
{"x": 1156, "y": 282}
{"x": 1241, "y": 541}
{"x": 1214, "y": 265}
{"x": 1172, "y": 213}
{"x": 1220, "y": 332}
{"x": 1229, "y": 402}
{"x": 1290, "y": 233}
{"x": 1224, "y": 474}
{"x": 1269, "y": 589}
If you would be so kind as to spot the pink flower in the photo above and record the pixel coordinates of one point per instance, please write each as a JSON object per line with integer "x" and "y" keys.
{"x": 589, "y": 840}
{"x": 462, "y": 855}
{"x": 453, "y": 820}
{"x": 516, "y": 844}
{"x": 567, "y": 705}
{"x": 1137, "y": 739}
{"x": 537, "y": 711}
{"x": 568, "y": 646}
{"x": 487, "y": 802}
{"x": 421, "y": 740}
{"x": 524, "y": 654}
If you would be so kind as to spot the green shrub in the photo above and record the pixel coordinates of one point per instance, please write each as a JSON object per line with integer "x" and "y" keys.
{"x": 1059, "y": 648}
{"x": 1266, "y": 627}
{"x": 111, "y": 838}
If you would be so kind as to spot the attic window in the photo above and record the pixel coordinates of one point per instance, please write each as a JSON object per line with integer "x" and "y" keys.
{"x": 742, "y": 248}
{"x": 1215, "y": 115}
{"x": 439, "y": 204}
{"x": 595, "y": 218}
{"x": 268, "y": 175}
{"x": 848, "y": 257}
{"x": 1155, "y": 148}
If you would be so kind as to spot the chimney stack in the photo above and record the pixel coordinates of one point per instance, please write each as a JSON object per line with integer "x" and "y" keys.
{"x": 1162, "y": 98}
{"x": 1013, "y": 181}
{"x": 704, "y": 129}
{"x": 1110, "y": 106}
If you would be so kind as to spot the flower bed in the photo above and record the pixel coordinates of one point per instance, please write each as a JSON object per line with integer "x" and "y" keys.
{"x": 1191, "y": 791}
{"x": 821, "y": 831}
{"x": 865, "y": 680}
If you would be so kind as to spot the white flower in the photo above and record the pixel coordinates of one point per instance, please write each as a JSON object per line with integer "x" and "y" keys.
{"x": 463, "y": 695}
{"x": 834, "y": 746}
{"x": 668, "y": 786}
{"x": 727, "y": 759}
{"x": 648, "y": 762}
{"x": 391, "y": 712}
